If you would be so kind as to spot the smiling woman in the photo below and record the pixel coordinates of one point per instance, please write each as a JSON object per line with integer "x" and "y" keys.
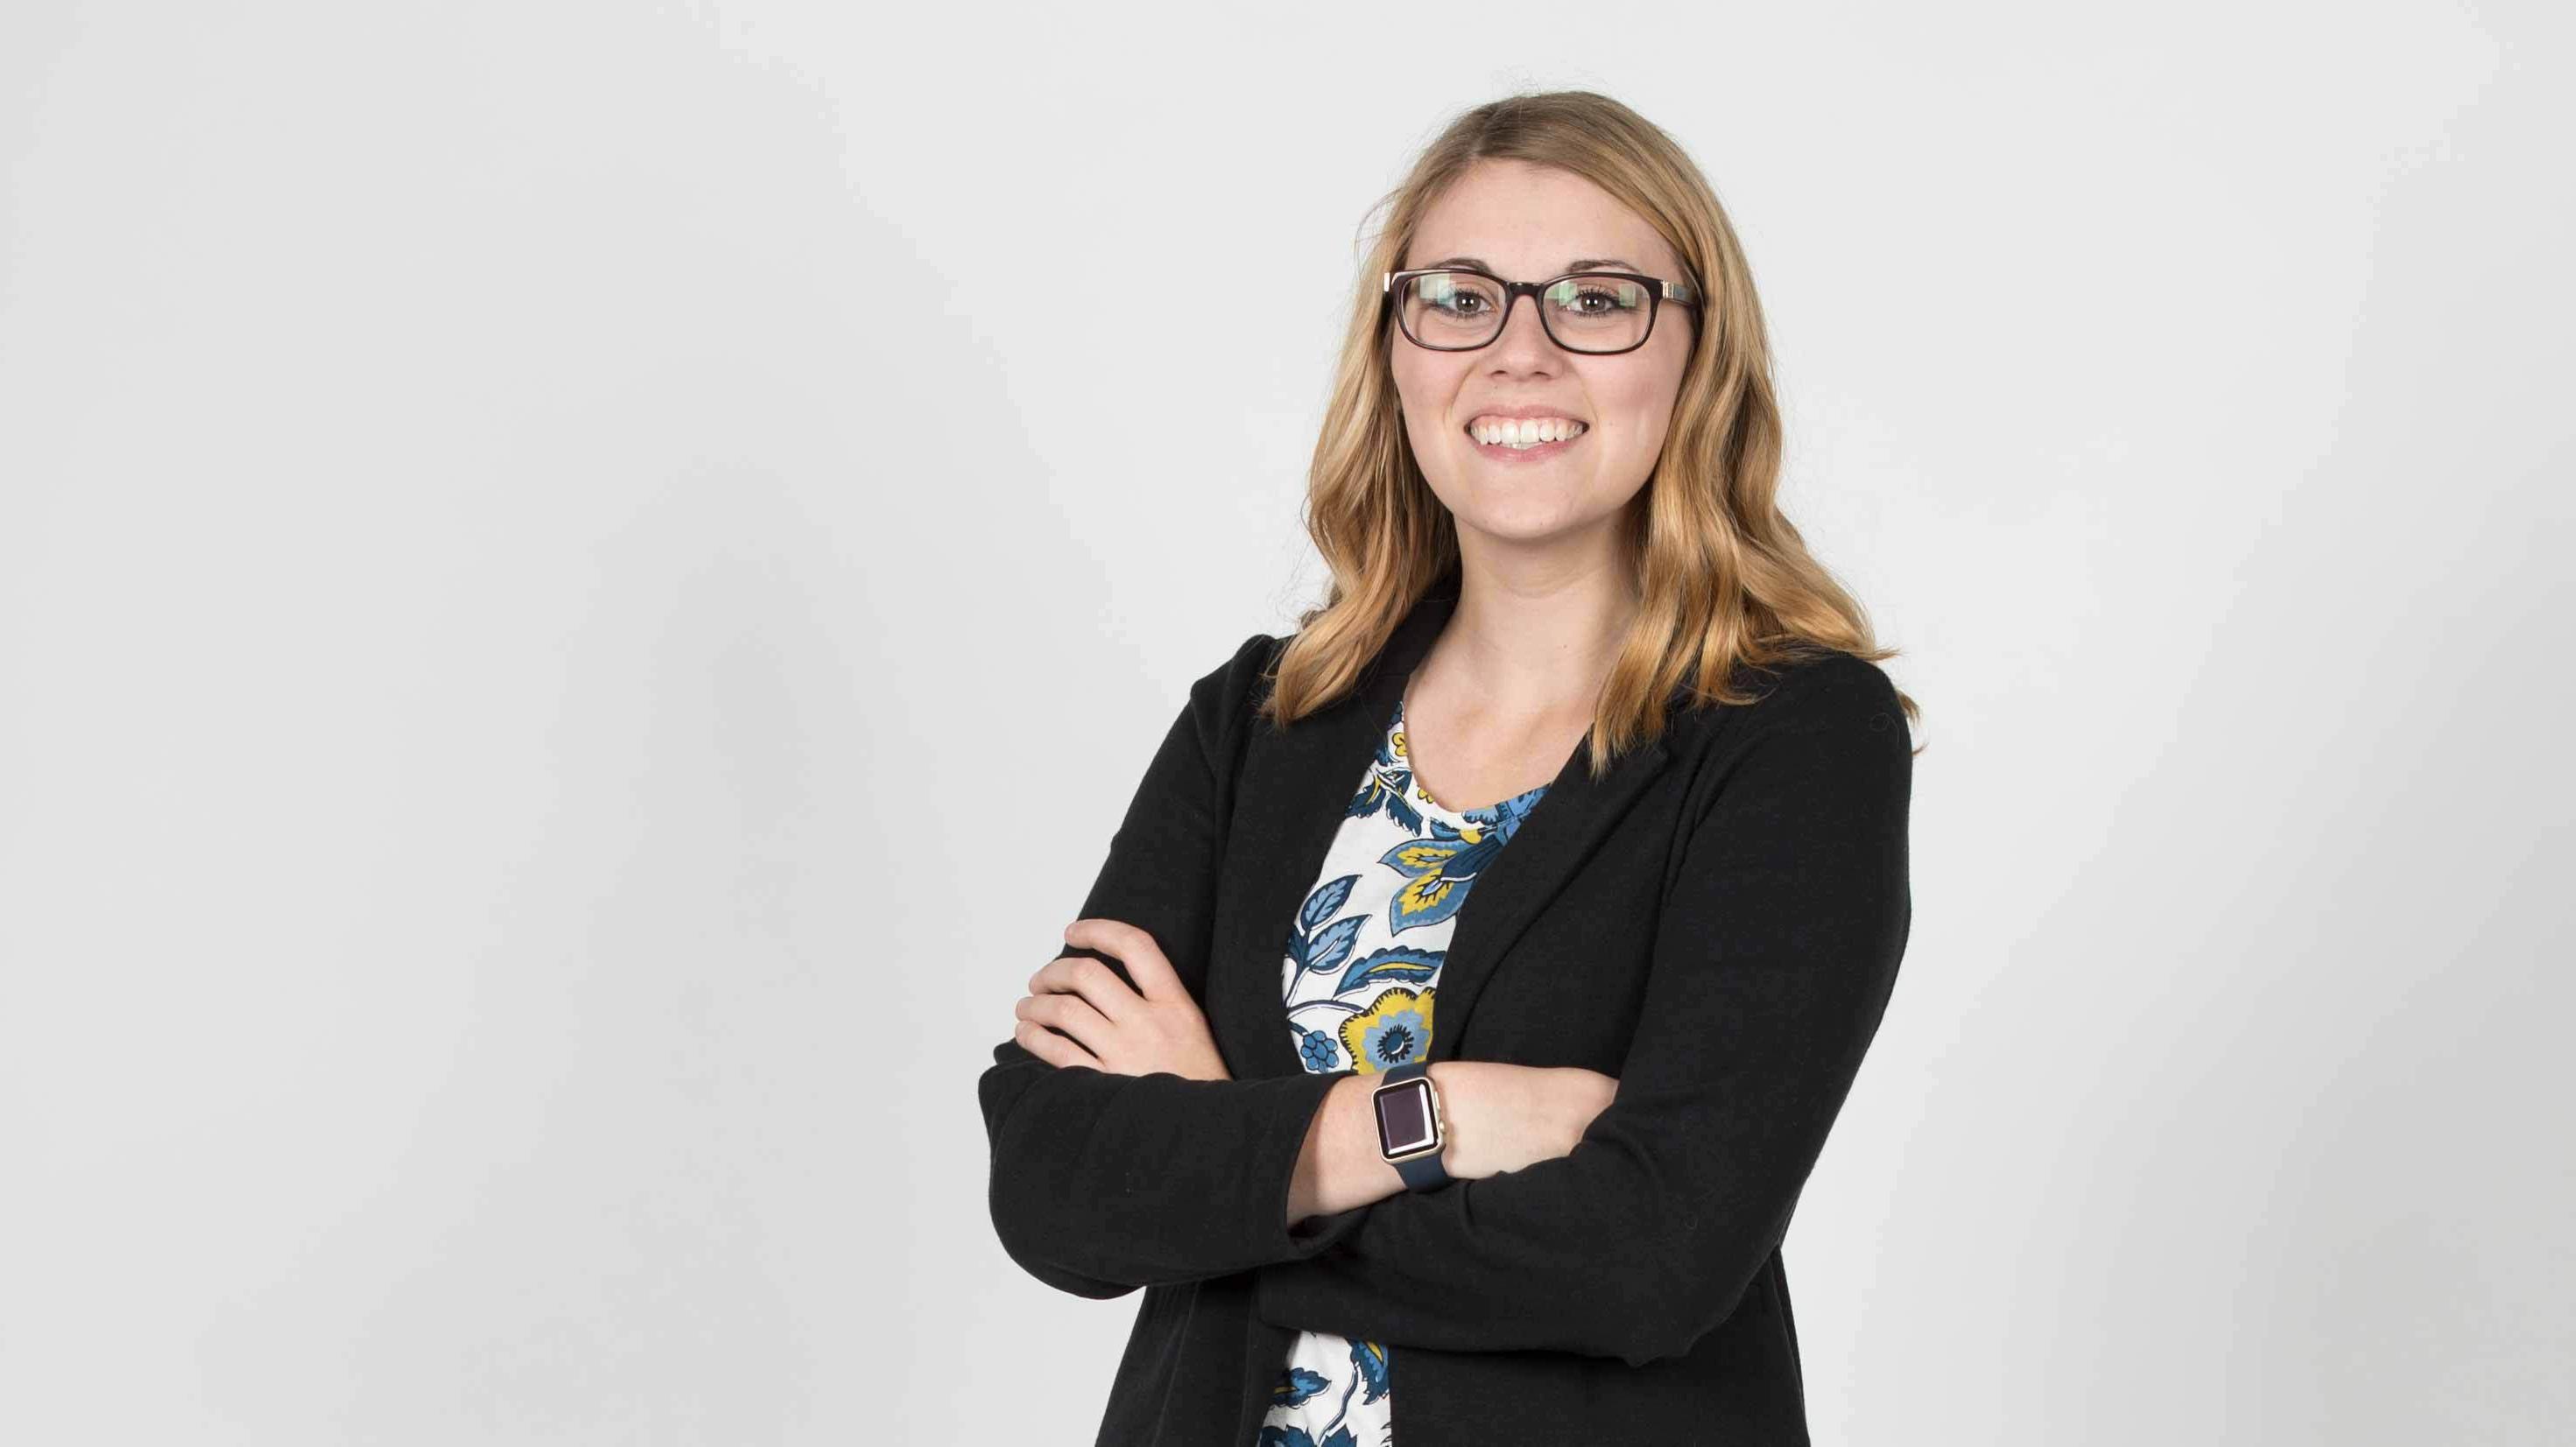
{"x": 1523, "y": 1168}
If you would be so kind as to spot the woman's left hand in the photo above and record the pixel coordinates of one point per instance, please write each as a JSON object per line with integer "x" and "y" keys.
{"x": 1155, "y": 1027}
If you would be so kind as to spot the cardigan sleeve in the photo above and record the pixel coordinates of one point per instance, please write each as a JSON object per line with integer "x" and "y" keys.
{"x": 1102, "y": 1182}
{"x": 1773, "y": 960}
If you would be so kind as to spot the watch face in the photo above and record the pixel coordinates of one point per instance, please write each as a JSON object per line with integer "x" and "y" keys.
{"x": 1404, "y": 1122}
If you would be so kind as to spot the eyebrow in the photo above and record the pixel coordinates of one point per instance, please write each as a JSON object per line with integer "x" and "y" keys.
{"x": 1580, "y": 263}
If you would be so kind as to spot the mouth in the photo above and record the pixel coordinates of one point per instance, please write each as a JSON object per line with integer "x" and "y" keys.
{"x": 1524, "y": 443}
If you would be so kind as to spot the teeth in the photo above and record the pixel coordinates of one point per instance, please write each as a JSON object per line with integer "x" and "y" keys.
{"x": 1526, "y": 432}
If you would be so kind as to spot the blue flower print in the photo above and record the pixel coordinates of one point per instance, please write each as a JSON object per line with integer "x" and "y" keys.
{"x": 1297, "y": 1385}
{"x": 1363, "y": 962}
{"x": 1319, "y": 1051}
{"x": 1438, "y": 870}
{"x": 1389, "y": 779}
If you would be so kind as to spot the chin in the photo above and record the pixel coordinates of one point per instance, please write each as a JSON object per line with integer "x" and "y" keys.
{"x": 1518, "y": 525}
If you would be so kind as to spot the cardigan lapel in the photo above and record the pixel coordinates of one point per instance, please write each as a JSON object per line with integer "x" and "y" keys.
{"x": 1561, "y": 832}
{"x": 1296, "y": 790}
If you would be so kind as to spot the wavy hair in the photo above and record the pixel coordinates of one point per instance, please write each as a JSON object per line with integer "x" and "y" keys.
{"x": 1724, "y": 581}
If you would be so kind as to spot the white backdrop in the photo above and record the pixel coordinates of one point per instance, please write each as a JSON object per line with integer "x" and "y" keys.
{"x": 533, "y": 537}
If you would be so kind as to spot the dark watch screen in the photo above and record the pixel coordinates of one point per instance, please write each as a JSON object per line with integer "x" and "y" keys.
{"x": 1404, "y": 1117}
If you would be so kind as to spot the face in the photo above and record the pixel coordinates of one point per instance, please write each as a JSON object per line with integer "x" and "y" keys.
{"x": 1529, "y": 223}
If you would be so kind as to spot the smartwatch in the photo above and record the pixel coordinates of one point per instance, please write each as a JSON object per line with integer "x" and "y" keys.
{"x": 1411, "y": 1131}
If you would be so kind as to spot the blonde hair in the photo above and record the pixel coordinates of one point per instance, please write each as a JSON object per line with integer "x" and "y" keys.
{"x": 1723, "y": 578}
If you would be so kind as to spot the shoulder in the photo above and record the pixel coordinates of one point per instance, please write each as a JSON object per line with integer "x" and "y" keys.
{"x": 1828, "y": 688}
{"x": 1817, "y": 688}
{"x": 1822, "y": 720}
{"x": 1223, "y": 697}
{"x": 1243, "y": 674}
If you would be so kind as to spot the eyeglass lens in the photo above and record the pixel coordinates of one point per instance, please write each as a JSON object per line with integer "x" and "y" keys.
{"x": 1587, "y": 313}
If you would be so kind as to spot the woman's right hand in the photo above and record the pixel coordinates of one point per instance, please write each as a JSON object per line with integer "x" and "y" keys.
{"x": 1506, "y": 1117}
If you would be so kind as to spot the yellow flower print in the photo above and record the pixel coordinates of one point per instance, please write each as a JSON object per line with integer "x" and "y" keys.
{"x": 1394, "y": 1029}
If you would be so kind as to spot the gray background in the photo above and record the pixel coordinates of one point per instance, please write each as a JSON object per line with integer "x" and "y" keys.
{"x": 582, "y": 587}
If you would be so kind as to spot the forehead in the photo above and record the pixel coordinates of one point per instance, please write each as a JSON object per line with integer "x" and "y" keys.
{"x": 1528, "y": 221}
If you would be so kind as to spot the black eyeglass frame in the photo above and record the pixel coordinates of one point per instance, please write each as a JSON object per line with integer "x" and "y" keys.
{"x": 1658, "y": 291}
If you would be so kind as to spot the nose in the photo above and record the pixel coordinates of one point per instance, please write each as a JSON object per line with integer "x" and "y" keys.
{"x": 1524, "y": 345}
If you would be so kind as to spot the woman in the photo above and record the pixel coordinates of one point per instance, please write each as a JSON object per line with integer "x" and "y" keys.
{"x": 1574, "y": 666}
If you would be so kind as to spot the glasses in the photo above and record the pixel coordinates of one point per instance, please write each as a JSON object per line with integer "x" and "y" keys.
{"x": 1599, "y": 313}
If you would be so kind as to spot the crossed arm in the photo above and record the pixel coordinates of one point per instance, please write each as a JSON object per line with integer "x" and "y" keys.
{"x": 1101, "y": 1181}
{"x": 1775, "y": 956}
{"x": 1774, "y": 960}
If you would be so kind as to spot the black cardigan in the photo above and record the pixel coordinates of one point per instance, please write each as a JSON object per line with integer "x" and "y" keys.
{"x": 1717, "y": 922}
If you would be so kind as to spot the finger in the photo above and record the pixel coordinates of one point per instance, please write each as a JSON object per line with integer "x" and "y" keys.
{"x": 1060, "y": 973}
{"x": 1071, "y": 1014}
{"x": 1070, "y": 1018}
{"x": 1050, "y": 1047}
{"x": 1145, "y": 961}
{"x": 1088, "y": 978}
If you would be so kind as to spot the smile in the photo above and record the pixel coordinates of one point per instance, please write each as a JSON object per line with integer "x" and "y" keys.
{"x": 1527, "y": 439}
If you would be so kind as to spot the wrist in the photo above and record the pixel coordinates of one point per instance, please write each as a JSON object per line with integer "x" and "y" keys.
{"x": 1454, "y": 1082}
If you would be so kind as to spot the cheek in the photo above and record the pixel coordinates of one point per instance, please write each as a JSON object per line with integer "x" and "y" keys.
{"x": 1645, "y": 407}
{"x": 1646, "y": 434}
{"x": 1424, "y": 387}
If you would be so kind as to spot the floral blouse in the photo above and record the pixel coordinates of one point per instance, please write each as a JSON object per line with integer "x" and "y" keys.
{"x": 1363, "y": 962}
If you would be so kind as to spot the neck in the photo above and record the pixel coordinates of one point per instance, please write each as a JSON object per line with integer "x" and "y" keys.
{"x": 1532, "y": 648}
